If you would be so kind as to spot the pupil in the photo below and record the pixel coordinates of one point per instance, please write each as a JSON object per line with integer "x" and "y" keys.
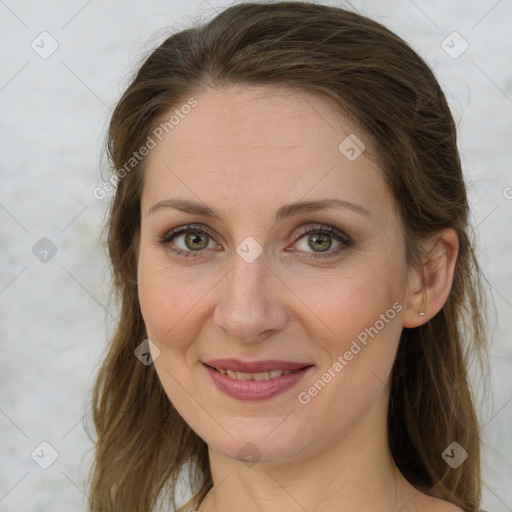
{"x": 321, "y": 239}
{"x": 196, "y": 239}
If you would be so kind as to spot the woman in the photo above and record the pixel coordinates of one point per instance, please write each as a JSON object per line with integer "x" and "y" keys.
{"x": 299, "y": 293}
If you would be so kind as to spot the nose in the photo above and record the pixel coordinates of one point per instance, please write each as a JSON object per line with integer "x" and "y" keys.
{"x": 251, "y": 307}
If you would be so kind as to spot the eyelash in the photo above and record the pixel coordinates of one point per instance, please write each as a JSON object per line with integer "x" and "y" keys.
{"x": 344, "y": 240}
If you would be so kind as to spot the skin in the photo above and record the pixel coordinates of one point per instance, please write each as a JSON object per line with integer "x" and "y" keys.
{"x": 245, "y": 152}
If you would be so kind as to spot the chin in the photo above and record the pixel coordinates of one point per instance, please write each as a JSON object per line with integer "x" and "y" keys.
{"x": 267, "y": 441}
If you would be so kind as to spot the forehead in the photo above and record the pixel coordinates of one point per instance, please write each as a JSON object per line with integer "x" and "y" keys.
{"x": 248, "y": 115}
{"x": 257, "y": 145}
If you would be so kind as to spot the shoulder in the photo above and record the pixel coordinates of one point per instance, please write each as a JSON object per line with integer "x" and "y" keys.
{"x": 425, "y": 503}
{"x": 447, "y": 507}
{"x": 439, "y": 505}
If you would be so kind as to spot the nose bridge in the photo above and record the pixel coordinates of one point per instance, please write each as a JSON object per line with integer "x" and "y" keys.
{"x": 248, "y": 304}
{"x": 249, "y": 271}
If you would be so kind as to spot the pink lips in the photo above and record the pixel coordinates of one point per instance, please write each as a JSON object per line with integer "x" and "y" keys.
{"x": 236, "y": 365}
{"x": 255, "y": 389}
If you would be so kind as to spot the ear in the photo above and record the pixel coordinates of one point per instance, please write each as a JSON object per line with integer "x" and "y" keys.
{"x": 429, "y": 287}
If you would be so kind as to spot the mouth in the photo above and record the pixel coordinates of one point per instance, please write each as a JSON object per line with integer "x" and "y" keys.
{"x": 273, "y": 374}
{"x": 258, "y": 380}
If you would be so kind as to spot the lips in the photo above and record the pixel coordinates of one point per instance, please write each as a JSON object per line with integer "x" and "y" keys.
{"x": 258, "y": 380}
{"x": 235, "y": 365}
{"x": 273, "y": 374}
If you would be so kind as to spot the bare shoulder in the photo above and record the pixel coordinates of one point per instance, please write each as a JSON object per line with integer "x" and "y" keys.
{"x": 422, "y": 502}
{"x": 438, "y": 505}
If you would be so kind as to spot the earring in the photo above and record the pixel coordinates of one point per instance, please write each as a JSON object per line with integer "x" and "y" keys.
{"x": 422, "y": 313}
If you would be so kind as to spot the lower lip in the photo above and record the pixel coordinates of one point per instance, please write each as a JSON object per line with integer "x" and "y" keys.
{"x": 256, "y": 389}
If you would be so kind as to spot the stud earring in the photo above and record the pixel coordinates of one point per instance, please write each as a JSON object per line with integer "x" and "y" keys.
{"x": 422, "y": 313}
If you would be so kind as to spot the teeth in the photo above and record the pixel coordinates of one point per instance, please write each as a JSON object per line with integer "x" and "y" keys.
{"x": 231, "y": 374}
{"x": 273, "y": 374}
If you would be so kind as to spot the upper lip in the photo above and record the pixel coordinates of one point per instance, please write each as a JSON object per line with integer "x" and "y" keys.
{"x": 236, "y": 365}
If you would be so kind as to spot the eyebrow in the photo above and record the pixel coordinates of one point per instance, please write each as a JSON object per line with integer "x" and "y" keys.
{"x": 192, "y": 207}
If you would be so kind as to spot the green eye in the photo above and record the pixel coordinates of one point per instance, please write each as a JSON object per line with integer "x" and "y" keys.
{"x": 321, "y": 238}
{"x": 196, "y": 239}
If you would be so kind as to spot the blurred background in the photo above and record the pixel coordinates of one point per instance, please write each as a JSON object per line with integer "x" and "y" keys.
{"x": 63, "y": 67}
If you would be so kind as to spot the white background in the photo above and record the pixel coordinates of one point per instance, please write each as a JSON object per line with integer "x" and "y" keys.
{"x": 55, "y": 316}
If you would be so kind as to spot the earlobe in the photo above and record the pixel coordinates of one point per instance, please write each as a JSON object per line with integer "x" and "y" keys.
{"x": 429, "y": 287}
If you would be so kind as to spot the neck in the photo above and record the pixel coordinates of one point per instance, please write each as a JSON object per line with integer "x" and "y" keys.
{"x": 356, "y": 474}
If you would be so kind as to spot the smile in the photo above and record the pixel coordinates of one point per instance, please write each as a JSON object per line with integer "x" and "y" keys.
{"x": 274, "y": 374}
{"x": 256, "y": 385}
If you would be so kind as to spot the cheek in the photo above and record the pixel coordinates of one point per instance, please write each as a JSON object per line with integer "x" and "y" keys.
{"x": 356, "y": 349}
{"x": 162, "y": 302}
{"x": 360, "y": 314}
{"x": 174, "y": 302}
{"x": 345, "y": 304}
{"x": 164, "y": 309}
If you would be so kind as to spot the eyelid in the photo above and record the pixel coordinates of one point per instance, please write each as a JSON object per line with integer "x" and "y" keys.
{"x": 325, "y": 228}
{"x": 186, "y": 228}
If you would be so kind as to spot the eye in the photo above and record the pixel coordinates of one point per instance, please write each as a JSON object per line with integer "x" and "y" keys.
{"x": 320, "y": 239}
{"x": 194, "y": 239}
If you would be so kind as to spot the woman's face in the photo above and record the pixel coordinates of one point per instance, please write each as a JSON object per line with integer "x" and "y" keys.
{"x": 249, "y": 283}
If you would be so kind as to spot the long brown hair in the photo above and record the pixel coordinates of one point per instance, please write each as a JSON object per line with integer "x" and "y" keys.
{"x": 371, "y": 74}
